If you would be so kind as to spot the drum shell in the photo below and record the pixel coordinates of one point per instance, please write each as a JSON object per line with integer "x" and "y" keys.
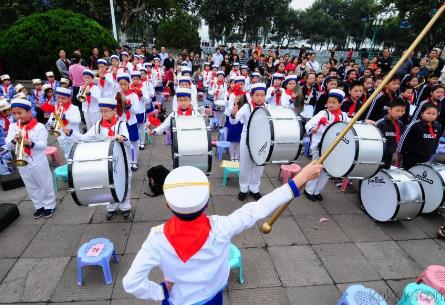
{"x": 432, "y": 178}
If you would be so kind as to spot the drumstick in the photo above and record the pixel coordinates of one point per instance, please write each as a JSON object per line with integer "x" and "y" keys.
{"x": 267, "y": 226}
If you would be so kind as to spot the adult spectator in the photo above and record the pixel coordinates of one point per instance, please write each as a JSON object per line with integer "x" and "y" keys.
{"x": 107, "y": 56}
{"x": 76, "y": 76}
{"x": 77, "y": 53}
{"x": 197, "y": 61}
{"x": 163, "y": 55}
{"x": 169, "y": 62}
{"x": 63, "y": 64}
{"x": 92, "y": 61}
{"x": 432, "y": 61}
{"x": 217, "y": 57}
{"x": 242, "y": 58}
{"x": 313, "y": 64}
{"x": 154, "y": 53}
{"x": 253, "y": 63}
{"x": 363, "y": 65}
{"x": 406, "y": 66}
{"x": 385, "y": 62}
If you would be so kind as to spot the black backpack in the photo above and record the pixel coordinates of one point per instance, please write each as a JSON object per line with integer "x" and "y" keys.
{"x": 156, "y": 177}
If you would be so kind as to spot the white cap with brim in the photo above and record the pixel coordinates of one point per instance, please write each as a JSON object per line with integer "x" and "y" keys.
{"x": 124, "y": 53}
{"x": 257, "y": 87}
{"x": 18, "y": 87}
{"x": 183, "y": 92}
{"x": 4, "y": 77}
{"x": 135, "y": 74}
{"x": 114, "y": 57}
{"x": 63, "y": 91}
{"x": 240, "y": 79}
{"x": 49, "y": 73}
{"x": 4, "y": 105}
{"x": 186, "y": 70}
{"x": 21, "y": 102}
{"x": 36, "y": 81}
{"x": 123, "y": 76}
{"x": 102, "y": 61}
{"x": 256, "y": 74}
{"x": 64, "y": 80}
{"x": 236, "y": 64}
{"x": 107, "y": 102}
{"x": 277, "y": 75}
{"x": 186, "y": 190}
{"x": 220, "y": 72}
{"x": 88, "y": 72}
{"x": 46, "y": 87}
{"x": 337, "y": 93}
{"x": 184, "y": 79}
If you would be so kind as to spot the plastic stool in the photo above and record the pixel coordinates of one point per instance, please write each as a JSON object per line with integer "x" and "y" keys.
{"x": 222, "y": 134}
{"x": 434, "y": 276}
{"x": 235, "y": 260}
{"x": 420, "y": 294}
{"x": 53, "y": 152}
{"x": 220, "y": 146}
{"x": 87, "y": 256}
{"x": 289, "y": 171}
{"x": 148, "y": 137}
{"x": 227, "y": 172}
{"x": 360, "y": 295}
{"x": 60, "y": 172}
{"x": 168, "y": 137}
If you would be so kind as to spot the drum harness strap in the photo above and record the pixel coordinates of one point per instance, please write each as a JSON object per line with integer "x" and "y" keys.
{"x": 118, "y": 127}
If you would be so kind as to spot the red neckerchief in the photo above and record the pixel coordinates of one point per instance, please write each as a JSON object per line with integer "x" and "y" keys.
{"x": 102, "y": 82}
{"x": 7, "y": 122}
{"x": 337, "y": 115}
{"x": 396, "y": 129}
{"x": 135, "y": 67}
{"x": 158, "y": 74}
{"x": 187, "y": 112}
{"x": 48, "y": 106}
{"x": 28, "y": 126}
{"x": 89, "y": 96}
{"x": 109, "y": 125}
{"x": 37, "y": 93}
{"x": 127, "y": 113}
{"x": 187, "y": 237}
{"x": 136, "y": 89}
{"x": 51, "y": 84}
{"x": 278, "y": 95}
{"x": 218, "y": 84}
{"x": 6, "y": 89}
{"x": 431, "y": 130}
{"x": 254, "y": 106}
{"x": 289, "y": 91}
{"x": 352, "y": 108}
{"x": 114, "y": 72}
{"x": 124, "y": 65}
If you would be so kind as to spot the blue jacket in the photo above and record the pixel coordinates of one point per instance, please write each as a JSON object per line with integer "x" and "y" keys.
{"x": 8, "y": 95}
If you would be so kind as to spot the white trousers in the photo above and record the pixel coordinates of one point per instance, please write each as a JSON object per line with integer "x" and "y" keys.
{"x": 126, "y": 205}
{"x": 234, "y": 151}
{"x": 250, "y": 173}
{"x": 38, "y": 182}
{"x": 66, "y": 144}
{"x": 314, "y": 187}
{"x": 91, "y": 118}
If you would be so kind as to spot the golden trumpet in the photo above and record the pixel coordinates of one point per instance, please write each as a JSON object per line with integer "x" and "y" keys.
{"x": 58, "y": 123}
{"x": 82, "y": 95}
{"x": 20, "y": 148}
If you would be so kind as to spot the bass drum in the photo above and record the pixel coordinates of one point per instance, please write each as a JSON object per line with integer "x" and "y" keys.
{"x": 274, "y": 135}
{"x": 191, "y": 142}
{"x": 432, "y": 178}
{"x": 391, "y": 195}
{"x": 98, "y": 172}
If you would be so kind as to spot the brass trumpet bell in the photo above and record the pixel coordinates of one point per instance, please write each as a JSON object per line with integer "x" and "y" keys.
{"x": 20, "y": 162}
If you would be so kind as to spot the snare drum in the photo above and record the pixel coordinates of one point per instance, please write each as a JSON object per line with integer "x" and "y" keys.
{"x": 358, "y": 155}
{"x": 98, "y": 172}
{"x": 432, "y": 178}
{"x": 191, "y": 142}
{"x": 392, "y": 194}
{"x": 274, "y": 135}
{"x": 219, "y": 105}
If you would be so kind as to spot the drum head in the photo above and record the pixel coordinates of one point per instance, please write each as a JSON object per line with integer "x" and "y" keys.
{"x": 259, "y": 136}
{"x": 379, "y": 196}
{"x": 340, "y": 162}
{"x": 119, "y": 171}
{"x": 432, "y": 179}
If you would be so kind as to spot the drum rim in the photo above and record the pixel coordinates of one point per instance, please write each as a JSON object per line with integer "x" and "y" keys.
{"x": 272, "y": 135}
{"x": 110, "y": 171}
{"x": 70, "y": 175}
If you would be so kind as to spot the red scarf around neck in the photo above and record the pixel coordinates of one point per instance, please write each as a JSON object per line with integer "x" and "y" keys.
{"x": 352, "y": 108}
{"x": 337, "y": 115}
{"x": 277, "y": 94}
{"x": 187, "y": 237}
{"x": 431, "y": 130}
{"x": 28, "y": 126}
{"x": 289, "y": 92}
{"x": 102, "y": 82}
{"x": 109, "y": 125}
{"x": 186, "y": 112}
{"x": 396, "y": 129}
{"x": 89, "y": 95}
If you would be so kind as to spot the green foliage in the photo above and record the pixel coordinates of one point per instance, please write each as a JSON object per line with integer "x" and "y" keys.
{"x": 178, "y": 32}
{"x": 31, "y": 45}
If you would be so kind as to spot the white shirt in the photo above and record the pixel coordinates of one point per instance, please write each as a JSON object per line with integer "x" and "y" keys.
{"x": 217, "y": 59}
{"x": 100, "y": 133}
{"x": 167, "y": 122}
{"x": 134, "y": 109}
{"x": 243, "y": 116}
{"x": 93, "y": 107}
{"x": 207, "y": 271}
{"x": 231, "y": 103}
{"x": 109, "y": 88}
{"x": 72, "y": 115}
{"x": 271, "y": 96}
{"x": 313, "y": 65}
{"x": 286, "y": 100}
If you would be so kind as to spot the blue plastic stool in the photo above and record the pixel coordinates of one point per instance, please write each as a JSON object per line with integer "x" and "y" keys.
{"x": 220, "y": 146}
{"x": 215, "y": 122}
{"x": 103, "y": 259}
{"x": 235, "y": 260}
{"x": 412, "y": 291}
{"x": 222, "y": 134}
{"x": 227, "y": 172}
{"x": 360, "y": 295}
{"x": 60, "y": 172}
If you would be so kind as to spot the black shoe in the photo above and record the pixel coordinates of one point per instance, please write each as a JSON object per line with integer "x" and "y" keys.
{"x": 242, "y": 196}
{"x": 256, "y": 196}
{"x": 134, "y": 167}
{"x": 126, "y": 214}
{"x": 38, "y": 213}
{"x": 110, "y": 215}
{"x": 48, "y": 213}
{"x": 309, "y": 196}
{"x": 141, "y": 147}
{"x": 319, "y": 197}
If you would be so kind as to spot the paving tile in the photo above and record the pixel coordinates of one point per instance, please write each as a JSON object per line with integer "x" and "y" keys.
{"x": 152, "y": 209}
{"x": 430, "y": 223}
{"x": 359, "y": 227}
{"x": 299, "y": 266}
{"x": 116, "y": 232}
{"x": 32, "y": 279}
{"x": 285, "y": 232}
{"x": 15, "y": 238}
{"x": 260, "y": 296}
{"x": 398, "y": 285}
{"x": 138, "y": 234}
{"x": 303, "y": 206}
{"x": 385, "y": 292}
{"x": 258, "y": 272}
{"x": 69, "y": 212}
{"x": 85, "y": 303}
{"x": 345, "y": 263}
{"x": 132, "y": 302}
{"x": 313, "y": 295}
{"x": 321, "y": 232}
{"x": 403, "y": 230}
{"x": 249, "y": 238}
{"x": 425, "y": 252}
{"x": 13, "y": 196}
{"x": 6, "y": 265}
{"x": 341, "y": 203}
{"x": 26, "y": 209}
{"x": 55, "y": 240}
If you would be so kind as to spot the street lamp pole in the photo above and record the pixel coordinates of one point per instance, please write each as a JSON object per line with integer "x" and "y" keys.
{"x": 376, "y": 24}
{"x": 113, "y": 19}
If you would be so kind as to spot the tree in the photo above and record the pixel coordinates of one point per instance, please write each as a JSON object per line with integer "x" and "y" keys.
{"x": 178, "y": 32}
{"x": 286, "y": 26}
{"x": 31, "y": 44}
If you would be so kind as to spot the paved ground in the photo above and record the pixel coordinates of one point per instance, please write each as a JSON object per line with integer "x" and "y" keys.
{"x": 302, "y": 262}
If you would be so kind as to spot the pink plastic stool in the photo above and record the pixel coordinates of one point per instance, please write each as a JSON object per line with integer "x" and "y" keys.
{"x": 289, "y": 171}
{"x": 53, "y": 152}
{"x": 214, "y": 142}
{"x": 168, "y": 137}
{"x": 433, "y": 276}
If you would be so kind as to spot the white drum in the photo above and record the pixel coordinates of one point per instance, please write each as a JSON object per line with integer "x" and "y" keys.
{"x": 98, "y": 172}
{"x": 219, "y": 105}
{"x": 274, "y": 135}
{"x": 307, "y": 113}
{"x": 191, "y": 142}
{"x": 358, "y": 155}
{"x": 432, "y": 178}
{"x": 392, "y": 194}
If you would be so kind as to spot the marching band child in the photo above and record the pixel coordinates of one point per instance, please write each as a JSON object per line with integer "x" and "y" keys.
{"x": 245, "y": 74}
{"x": 6, "y": 89}
{"x": 157, "y": 75}
{"x": 250, "y": 174}
{"x": 36, "y": 175}
{"x": 108, "y": 126}
{"x": 316, "y": 127}
{"x": 47, "y": 102}
{"x": 106, "y": 81}
{"x": 185, "y": 82}
{"x": 436, "y": 95}
{"x": 256, "y": 78}
{"x": 186, "y": 71}
{"x": 136, "y": 87}
{"x": 6, "y": 117}
{"x": 331, "y": 82}
{"x": 126, "y": 66}
{"x": 406, "y": 94}
{"x": 378, "y": 106}
{"x": 207, "y": 75}
{"x": 274, "y": 93}
{"x": 235, "y": 70}
{"x": 218, "y": 91}
{"x": 191, "y": 248}
{"x": 90, "y": 107}
{"x": 237, "y": 96}
{"x": 64, "y": 82}
{"x": 354, "y": 101}
{"x": 289, "y": 96}
{"x": 51, "y": 80}
{"x": 114, "y": 69}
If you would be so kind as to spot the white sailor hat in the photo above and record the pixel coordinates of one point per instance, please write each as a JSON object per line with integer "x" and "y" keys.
{"x": 289, "y": 78}
{"x": 183, "y": 92}
{"x": 107, "y": 102}
{"x": 49, "y": 73}
{"x": 186, "y": 190}
{"x": 4, "y": 105}
{"x": 215, "y": 67}
{"x": 206, "y": 63}
{"x": 18, "y": 87}
{"x": 240, "y": 79}
{"x": 256, "y": 74}
{"x": 236, "y": 64}
{"x": 36, "y": 81}
{"x": 337, "y": 93}
{"x": 220, "y": 72}
{"x": 46, "y": 87}
{"x": 136, "y": 56}
{"x": 102, "y": 61}
{"x": 64, "y": 80}
{"x": 4, "y": 77}
{"x": 21, "y": 102}
{"x": 124, "y": 53}
{"x": 63, "y": 91}
{"x": 114, "y": 56}
{"x": 232, "y": 78}
{"x": 19, "y": 95}
{"x": 277, "y": 75}
{"x": 88, "y": 72}
{"x": 142, "y": 70}
{"x": 257, "y": 87}
{"x": 186, "y": 70}
{"x": 156, "y": 59}
{"x": 135, "y": 74}
{"x": 123, "y": 76}
{"x": 244, "y": 67}
{"x": 148, "y": 64}
{"x": 184, "y": 79}
{"x": 184, "y": 63}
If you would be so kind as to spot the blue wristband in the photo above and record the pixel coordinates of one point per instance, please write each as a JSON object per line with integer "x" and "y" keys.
{"x": 164, "y": 288}
{"x": 294, "y": 188}
{"x": 32, "y": 144}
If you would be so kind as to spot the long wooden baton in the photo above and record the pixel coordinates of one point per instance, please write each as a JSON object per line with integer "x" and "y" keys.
{"x": 267, "y": 226}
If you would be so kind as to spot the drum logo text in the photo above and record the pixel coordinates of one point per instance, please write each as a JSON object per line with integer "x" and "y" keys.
{"x": 346, "y": 141}
{"x": 424, "y": 177}
{"x": 376, "y": 179}
{"x": 262, "y": 149}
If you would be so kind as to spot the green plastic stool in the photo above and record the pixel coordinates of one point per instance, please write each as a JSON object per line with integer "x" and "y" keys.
{"x": 235, "y": 260}
{"x": 148, "y": 138}
{"x": 60, "y": 172}
{"x": 227, "y": 172}
{"x": 414, "y": 293}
